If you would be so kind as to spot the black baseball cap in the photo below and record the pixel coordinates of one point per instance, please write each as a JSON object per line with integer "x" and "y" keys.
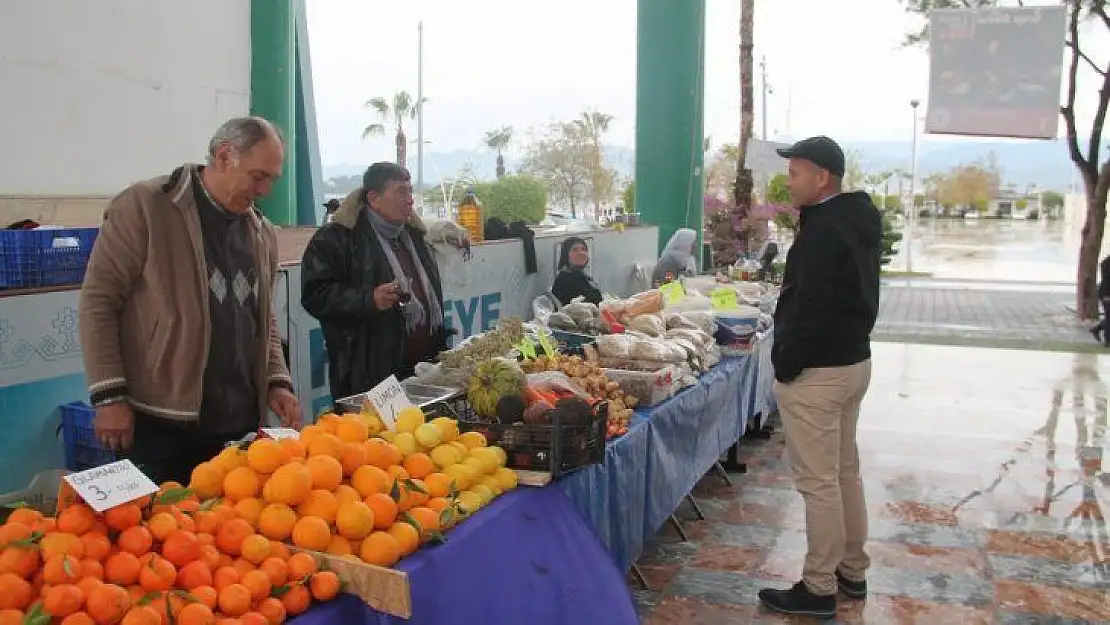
{"x": 821, "y": 151}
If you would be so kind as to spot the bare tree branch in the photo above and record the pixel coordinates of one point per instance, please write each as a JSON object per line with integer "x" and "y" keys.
{"x": 1083, "y": 55}
{"x": 1098, "y": 7}
{"x": 1068, "y": 110}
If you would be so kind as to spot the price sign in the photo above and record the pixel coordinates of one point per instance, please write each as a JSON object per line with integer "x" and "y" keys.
{"x": 527, "y": 349}
{"x": 111, "y": 485}
{"x": 280, "y": 433}
{"x": 672, "y": 292}
{"x": 722, "y": 298}
{"x": 389, "y": 398}
{"x": 546, "y": 344}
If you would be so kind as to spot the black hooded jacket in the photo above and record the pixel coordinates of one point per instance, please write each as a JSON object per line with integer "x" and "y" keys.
{"x": 572, "y": 282}
{"x": 830, "y": 291}
{"x": 342, "y": 265}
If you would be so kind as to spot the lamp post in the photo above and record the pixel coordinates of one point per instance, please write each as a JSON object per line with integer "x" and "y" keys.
{"x": 912, "y": 215}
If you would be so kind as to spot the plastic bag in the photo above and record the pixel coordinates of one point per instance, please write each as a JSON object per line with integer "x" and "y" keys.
{"x": 581, "y": 311}
{"x": 651, "y": 325}
{"x": 555, "y": 381}
{"x": 615, "y": 346}
{"x": 561, "y": 321}
{"x": 705, "y": 320}
{"x": 542, "y": 307}
{"x": 692, "y": 301}
{"x": 678, "y": 320}
{"x": 644, "y": 303}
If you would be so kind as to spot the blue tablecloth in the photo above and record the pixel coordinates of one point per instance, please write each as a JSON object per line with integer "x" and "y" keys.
{"x": 668, "y": 448}
{"x": 528, "y": 558}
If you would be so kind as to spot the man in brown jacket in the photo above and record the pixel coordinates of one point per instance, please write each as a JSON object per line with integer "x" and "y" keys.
{"x": 181, "y": 348}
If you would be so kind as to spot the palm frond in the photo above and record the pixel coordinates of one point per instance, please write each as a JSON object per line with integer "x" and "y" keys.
{"x": 373, "y": 130}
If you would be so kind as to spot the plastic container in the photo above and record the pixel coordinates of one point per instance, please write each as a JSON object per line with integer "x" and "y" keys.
{"x": 41, "y": 494}
{"x": 650, "y": 387}
{"x": 45, "y": 256}
{"x": 470, "y": 216}
{"x": 83, "y": 451}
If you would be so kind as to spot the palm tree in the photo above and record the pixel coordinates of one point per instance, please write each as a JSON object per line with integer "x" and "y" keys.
{"x": 396, "y": 112}
{"x": 592, "y": 125}
{"x": 498, "y": 140}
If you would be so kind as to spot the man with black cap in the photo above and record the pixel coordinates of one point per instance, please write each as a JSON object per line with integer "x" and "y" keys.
{"x": 822, "y": 359}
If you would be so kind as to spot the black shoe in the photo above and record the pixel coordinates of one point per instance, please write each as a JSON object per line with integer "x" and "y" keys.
{"x": 855, "y": 590}
{"x": 800, "y": 601}
{"x": 1096, "y": 332}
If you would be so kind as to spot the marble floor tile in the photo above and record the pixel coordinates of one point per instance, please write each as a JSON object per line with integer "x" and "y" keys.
{"x": 1074, "y": 603}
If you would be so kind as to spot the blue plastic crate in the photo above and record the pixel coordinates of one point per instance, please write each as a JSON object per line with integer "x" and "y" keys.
{"x": 83, "y": 451}
{"x": 44, "y": 257}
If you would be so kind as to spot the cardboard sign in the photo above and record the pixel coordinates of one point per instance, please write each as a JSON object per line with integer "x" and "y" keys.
{"x": 389, "y": 398}
{"x": 672, "y": 292}
{"x": 723, "y": 298}
{"x": 280, "y": 433}
{"x": 111, "y": 485}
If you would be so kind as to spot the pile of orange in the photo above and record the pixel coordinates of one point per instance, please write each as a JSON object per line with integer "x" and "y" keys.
{"x": 170, "y": 560}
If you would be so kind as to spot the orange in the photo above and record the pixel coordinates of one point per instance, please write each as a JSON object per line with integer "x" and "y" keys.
{"x": 270, "y": 608}
{"x": 320, "y": 503}
{"x": 289, "y": 485}
{"x": 439, "y": 504}
{"x": 419, "y": 465}
{"x": 352, "y": 456}
{"x": 206, "y": 595}
{"x": 61, "y": 569}
{"x": 92, "y": 568}
{"x": 312, "y": 533}
{"x": 265, "y": 455}
{"x": 207, "y": 479}
{"x": 193, "y": 575}
{"x": 354, "y": 521}
{"x": 276, "y": 521}
{"x": 206, "y": 522}
{"x": 209, "y": 556}
{"x": 253, "y": 618}
{"x": 352, "y": 430}
{"x": 294, "y": 449}
{"x": 280, "y": 550}
{"x": 96, "y": 545}
{"x": 22, "y": 561}
{"x": 142, "y": 615}
{"x": 182, "y": 547}
{"x": 196, "y": 614}
{"x": 382, "y": 453}
{"x": 301, "y": 565}
{"x": 136, "y": 540}
{"x": 255, "y": 548}
{"x": 384, "y": 509}
{"x": 427, "y": 519}
{"x": 369, "y": 479}
{"x": 276, "y": 569}
{"x": 327, "y": 472}
{"x": 224, "y": 577}
{"x": 15, "y": 592}
{"x": 11, "y": 532}
{"x": 123, "y": 516}
{"x": 46, "y": 525}
{"x": 324, "y": 586}
{"x": 258, "y": 583}
{"x": 157, "y": 574}
{"x": 235, "y": 600}
{"x": 122, "y": 568}
{"x": 408, "y": 537}
{"x": 405, "y": 499}
{"x": 76, "y": 519}
{"x": 230, "y": 458}
{"x": 161, "y": 525}
{"x": 248, "y": 509}
{"x": 26, "y": 516}
{"x": 380, "y": 549}
{"x": 329, "y": 421}
{"x": 346, "y": 494}
{"x": 243, "y": 567}
{"x": 89, "y": 584}
{"x": 296, "y": 600}
{"x": 231, "y": 535}
{"x": 309, "y": 434}
{"x": 108, "y": 603}
{"x": 397, "y": 473}
{"x": 15, "y": 617}
{"x": 167, "y": 605}
{"x": 418, "y": 492}
{"x": 241, "y": 483}
{"x": 61, "y": 543}
{"x": 325, "y": 445}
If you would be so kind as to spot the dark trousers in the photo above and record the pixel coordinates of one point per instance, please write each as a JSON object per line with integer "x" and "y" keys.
{"x": 167, "y": 451}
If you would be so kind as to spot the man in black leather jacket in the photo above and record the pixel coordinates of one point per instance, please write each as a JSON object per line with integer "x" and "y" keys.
{"x": 349, "y": 282}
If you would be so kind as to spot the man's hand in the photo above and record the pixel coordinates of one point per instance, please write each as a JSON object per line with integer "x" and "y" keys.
{"x": 286, "y": 407}
{"x": 385, "y": 296}
{"x": 115, "y": 426}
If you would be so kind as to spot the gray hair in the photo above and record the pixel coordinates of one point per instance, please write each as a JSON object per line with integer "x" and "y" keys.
{"x": 242, "y": 134}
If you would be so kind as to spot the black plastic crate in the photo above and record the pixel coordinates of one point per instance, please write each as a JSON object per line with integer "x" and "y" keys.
{"x": 44, "y": 257}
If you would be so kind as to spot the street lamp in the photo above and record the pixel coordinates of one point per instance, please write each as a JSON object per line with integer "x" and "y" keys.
{"x": 912, "y": 215}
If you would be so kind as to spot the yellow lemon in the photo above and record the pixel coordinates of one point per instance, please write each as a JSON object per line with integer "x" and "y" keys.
{"x": 472, "y": 439}
{"x": 487, "y": 458}
{"x": 448, "y": 428}
{"x": 475, "y": 465}
{"x": 502, "y": 457}
{"x": 408, "y": 420}
{"x": 483, "y": 491}
{"x": 506, "y": 478}
{"x": 491, "y": 483}
{"x": 444, "y": 456}
{"x": 460, "y": 448}
{"x": 460, "y": 475}
{"x": 406, "y": 442}
{"x": 428, "y": 435}
{"x": 469, "y": 501}
{"x": 388, "y": 435}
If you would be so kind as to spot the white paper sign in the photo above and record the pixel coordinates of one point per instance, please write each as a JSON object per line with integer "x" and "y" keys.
{"x": 111, "y": 485}
{"x": 389, "y": 399}
{"x": 279, "y": 433}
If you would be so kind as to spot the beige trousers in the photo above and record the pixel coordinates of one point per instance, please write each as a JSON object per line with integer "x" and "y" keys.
{"x": 820, "y": 410}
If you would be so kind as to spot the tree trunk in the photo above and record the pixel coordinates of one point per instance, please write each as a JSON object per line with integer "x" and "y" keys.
{"x": 500, "y": 165}
{"x": 402, "y": 147}
{"x": 1086, "y": 292}
{"x": 742, "y": 188}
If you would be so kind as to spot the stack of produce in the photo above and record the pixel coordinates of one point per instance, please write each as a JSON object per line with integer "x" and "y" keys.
{"x": 337, "y": 489}
{"x": 166, "y": 559}
{"x": 589, "y": 378}
{"x": 457, "y": 366}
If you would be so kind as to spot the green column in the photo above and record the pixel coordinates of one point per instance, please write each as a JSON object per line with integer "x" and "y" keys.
{"x": 309, "y": 174}
{"x": 273, "y": 92}
{"x": 670, "y": 103}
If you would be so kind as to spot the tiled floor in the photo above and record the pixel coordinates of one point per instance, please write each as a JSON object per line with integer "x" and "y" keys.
{"x": 986, "y": 490}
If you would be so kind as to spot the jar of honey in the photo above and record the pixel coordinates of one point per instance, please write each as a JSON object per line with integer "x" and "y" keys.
{"x": 470, "y": 215}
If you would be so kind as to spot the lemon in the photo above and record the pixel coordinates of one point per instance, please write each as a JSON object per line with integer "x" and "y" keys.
{"x": 448, "y": 428}
{"x": 428, "y": 435}
{"x": 388, "y": 435}
{"x": 408, "y": 420}
{"x": 460, "y": 475}
{"x": 459, "y": 448}
{"x": 491, "y": 483}
{"x": 472, "y": 439}
{"x": 475, "y": 465}
{"x": 502, "y": 457}
{"x": 470, "y": 502}
{"x": 373, "y": 422}
{"x": 487, "y": 459}
{"x": 506, "y": 478}
{"x": 483, "y": 491}
{"x": 406, "y": 442}
{"x": 444, "y": 456}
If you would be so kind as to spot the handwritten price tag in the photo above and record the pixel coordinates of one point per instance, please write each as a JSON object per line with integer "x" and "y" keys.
{"x": 279, "y": 433}
{"x": 672, "y": 292}
{"x": 111, "y": 485}
{"x": 723, "y": 298}
{"x": 389, "y": 398}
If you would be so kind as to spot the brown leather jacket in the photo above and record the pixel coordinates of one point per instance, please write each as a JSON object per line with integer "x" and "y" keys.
{"x": 143, "y": 320}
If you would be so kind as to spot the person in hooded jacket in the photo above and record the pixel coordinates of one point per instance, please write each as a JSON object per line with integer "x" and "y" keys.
{"x": 353, "y": 280}
{"x": 822, "y": 359}
{"x": 678, "y": 258}
{"x": 572, "y": 280}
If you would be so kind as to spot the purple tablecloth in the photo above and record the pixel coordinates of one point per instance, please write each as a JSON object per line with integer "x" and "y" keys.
{"x": 529, "y": 558}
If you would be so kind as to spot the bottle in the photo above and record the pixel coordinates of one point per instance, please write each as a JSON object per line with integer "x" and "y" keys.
{"x": 470, "y": 215}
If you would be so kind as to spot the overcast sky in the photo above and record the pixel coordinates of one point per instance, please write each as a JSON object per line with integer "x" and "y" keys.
{"x": 836, "y": 68}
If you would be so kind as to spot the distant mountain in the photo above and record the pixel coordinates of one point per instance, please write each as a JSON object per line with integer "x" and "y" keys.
{"x": 1044, "y": 163}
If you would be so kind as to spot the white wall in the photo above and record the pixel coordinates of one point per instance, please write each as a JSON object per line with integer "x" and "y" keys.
{"x": 97, "y": 94}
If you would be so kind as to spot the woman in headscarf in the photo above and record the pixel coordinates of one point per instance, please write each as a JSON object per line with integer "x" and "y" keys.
{"x": 678, "y": 257}
{"x": 572, "y": 281}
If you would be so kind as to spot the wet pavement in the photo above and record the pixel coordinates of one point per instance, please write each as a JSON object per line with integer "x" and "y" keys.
{"x": 986, "y": 490}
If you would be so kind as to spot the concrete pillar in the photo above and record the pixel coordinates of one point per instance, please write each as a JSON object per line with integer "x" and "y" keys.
{"x": 309, "y": 193}
{"x": 670, "y": 106}
{"x": 273, "y": 94}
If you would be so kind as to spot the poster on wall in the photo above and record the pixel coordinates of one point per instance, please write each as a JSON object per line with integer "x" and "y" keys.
{"x": 996, "y": 72}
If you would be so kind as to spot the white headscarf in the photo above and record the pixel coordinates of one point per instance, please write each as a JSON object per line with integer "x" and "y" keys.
{"x": 679, "y": 248}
